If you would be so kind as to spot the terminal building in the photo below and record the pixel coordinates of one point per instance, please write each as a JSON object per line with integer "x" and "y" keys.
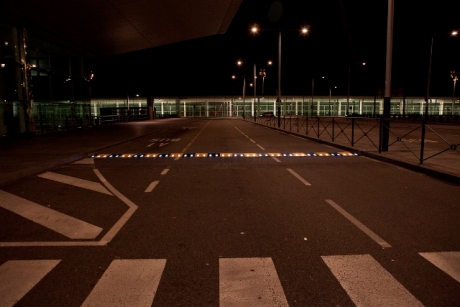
{"x": 45, "y": 84}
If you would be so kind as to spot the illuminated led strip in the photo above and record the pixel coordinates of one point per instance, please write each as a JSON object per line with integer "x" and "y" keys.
{"x": 223, "y": 155}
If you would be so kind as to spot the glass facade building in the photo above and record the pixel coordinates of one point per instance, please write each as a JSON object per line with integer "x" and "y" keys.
{"x": 292, "y": 105}
{"x": 46, "y": 86}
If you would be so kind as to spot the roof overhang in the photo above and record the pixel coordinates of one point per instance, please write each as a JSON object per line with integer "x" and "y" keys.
{"x": 110, "y": 27}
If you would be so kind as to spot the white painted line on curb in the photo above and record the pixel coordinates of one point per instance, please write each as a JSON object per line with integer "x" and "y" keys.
{"x": 59, "y": 222}
{"x": 368, "y": 283}
{"x": 127, "y": 282}
{"x": 358, "y": 224}
{"x": 299, "y": 177}
{"x": 76, "y": 182}
{"x": 151, "y": 186}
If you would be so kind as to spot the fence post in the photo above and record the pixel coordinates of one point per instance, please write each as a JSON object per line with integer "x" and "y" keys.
{"x": 422, "y": 142}
{"x": 318, "y": 125}
{"x": 333, "y": 123}
{"x": 352, "y": 132}
{"x": 380, "y": 135}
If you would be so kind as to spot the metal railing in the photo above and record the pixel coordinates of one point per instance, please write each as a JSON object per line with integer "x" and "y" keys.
{"x": 423, "y": 139}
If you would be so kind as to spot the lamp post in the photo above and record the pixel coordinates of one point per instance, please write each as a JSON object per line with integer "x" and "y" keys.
{"x": 254, "y": 30}
{"x": 454, "y": 77}
{"x": 330, "y": 96}
{"x": 244, "y": 92}
{"x": 349, "y": 81}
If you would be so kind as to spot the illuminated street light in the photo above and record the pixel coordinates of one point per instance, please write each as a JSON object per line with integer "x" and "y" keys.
{"x": 454, "y": 77}
{"x": 349, "y": 79}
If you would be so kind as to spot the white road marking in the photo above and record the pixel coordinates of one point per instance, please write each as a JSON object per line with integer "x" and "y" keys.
{"x": 260, "y": 147}
{"x": 249, "y": 282}
{"x": 368, "y": 283}
{"x": 17, "y": 277}
{"x": 358, "y": 224}
{"x": 105, "y": 239}
{"x": 299, "y": 177}
{"x": 64, "y": 224}
{"x": 191, "y": 142}
{"x": 151, "y": 186}
{"x": 85, "y": 161}
{"x": 76, "y": 182}
{"x": 276, "y": 159}
{"x": 165, "y": 171}
{"x": 132, "y": 282}
{"x": 449, "y": 262}
{"x": 252, "y": 141}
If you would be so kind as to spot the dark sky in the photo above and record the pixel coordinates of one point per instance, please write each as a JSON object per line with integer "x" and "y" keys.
{"x": 341, "y": 32}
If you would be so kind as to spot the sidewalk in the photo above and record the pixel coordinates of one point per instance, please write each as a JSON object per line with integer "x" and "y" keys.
{"x": 404, "y": 152}
{"x": 23, "y": 157}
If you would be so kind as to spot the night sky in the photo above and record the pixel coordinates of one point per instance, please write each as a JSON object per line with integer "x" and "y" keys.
{"x": 341, "y": 32}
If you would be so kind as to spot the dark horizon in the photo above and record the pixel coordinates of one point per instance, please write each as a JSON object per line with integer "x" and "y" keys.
{"x": 340, "y": 33}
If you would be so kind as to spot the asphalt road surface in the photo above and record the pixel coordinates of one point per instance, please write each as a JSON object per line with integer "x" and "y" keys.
{"x": 224, "y": 212}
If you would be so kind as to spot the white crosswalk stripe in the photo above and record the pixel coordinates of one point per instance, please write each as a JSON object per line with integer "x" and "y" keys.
{"x": 17, "y": 277}
{"x": 249, "y": 282}
{"x": 449, "y": 262}
{"x": 368, "y": 283}
{"x": 127, "y": 283}
{"x": 242, "y": 281}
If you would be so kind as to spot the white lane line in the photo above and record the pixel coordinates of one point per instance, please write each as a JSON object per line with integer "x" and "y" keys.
{"x": 85, "y": 161}
{"x": 276, "y": 159}
{"x": 121, "y": 222}
{"x": 299, "y": 177}
{"x": 18, "y": 277}
{"x": 76, "y": 182}
{"x": 252, "y": 141}
{"x": 64, "y": 224}
{"x": 132, "y": 282}
{"x": 249, "y": 282}
{"x": 151, "y": 186}
{"x": 260, "y": 147}
{"x": 358, "y": 224}
{"x": 165, "y": 171}
{"x": 449, "y": 262}
{"x": 368, "y": 283}
{"x": 191, "y": 142}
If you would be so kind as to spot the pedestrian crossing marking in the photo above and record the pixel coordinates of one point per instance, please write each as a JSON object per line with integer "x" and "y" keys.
{"x": 242, "y": 281}
{"x": 59, "y": 222}
{"x": 223, "y": 155}
{"x": 368, "y": 283}
{"x": 77, "y": 182}
{"x": 127, "y": 282}
{"x": 449, "y": 262}
{"x": 18, "y": 277}
{"x": 249, "y": 282}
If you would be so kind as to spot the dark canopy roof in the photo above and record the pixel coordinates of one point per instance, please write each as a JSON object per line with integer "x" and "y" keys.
{"x": 109, "y": 27}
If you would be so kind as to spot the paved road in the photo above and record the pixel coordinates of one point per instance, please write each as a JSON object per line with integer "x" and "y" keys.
{"x": 227, "y": 213}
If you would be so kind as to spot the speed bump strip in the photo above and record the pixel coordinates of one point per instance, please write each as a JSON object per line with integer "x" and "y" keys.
{"x": 223, "y": 155}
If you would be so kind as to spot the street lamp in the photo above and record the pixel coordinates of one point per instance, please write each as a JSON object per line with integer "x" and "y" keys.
{"x": 244, "y": 91}
{"x": 454, "y": 77}
{"x": 330, "y": 96}
{"x": 303, "y": 30}
{"x": 349, "y": 79}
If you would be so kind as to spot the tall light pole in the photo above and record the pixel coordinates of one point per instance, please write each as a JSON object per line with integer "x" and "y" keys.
{"x": 349, "y": 80}
{"x": 387, "y": 98}
{"x": 254, "y": 30}
{"x": 454, "y": 77}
